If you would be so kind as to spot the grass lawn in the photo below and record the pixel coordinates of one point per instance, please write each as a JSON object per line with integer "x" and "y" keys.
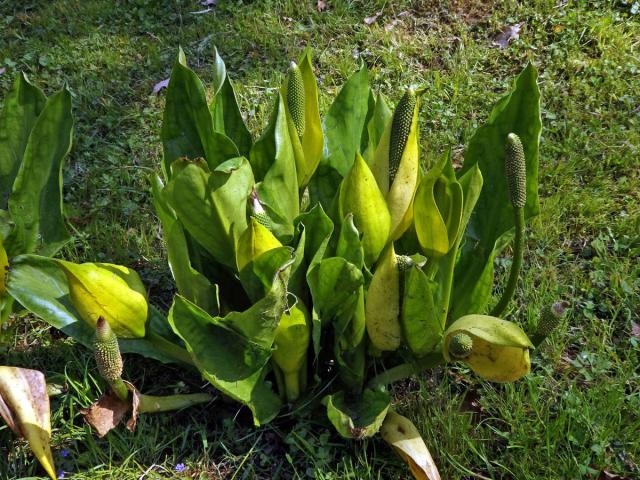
{"x": 576, "y": 416}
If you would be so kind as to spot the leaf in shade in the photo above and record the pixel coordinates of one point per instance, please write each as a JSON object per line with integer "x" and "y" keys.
{"x": 360, "y": 418}
{"x": 24, "y": 405}
{"x": 161, "y": 85}
{"x": 509, "y": 34}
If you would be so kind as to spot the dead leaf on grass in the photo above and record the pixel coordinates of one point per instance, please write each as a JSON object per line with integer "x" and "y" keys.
{"x": 635, "y": 329}
{"x": 108, "y": 411}
{"x": 509, "y": 34}
{"x": 372, "y": 19}
{"x": 321, "y": 6}
{"x": 161, "y": 85}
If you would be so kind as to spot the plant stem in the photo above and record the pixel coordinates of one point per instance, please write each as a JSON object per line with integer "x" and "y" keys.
{"x": 405, "y": 370}
{"x": 120, "y": 389}
{"x": 153, "y": 404}
{"x": 447, "y": 284}
{"x": 518, "y": 250}
{"x": 169, "y": 348}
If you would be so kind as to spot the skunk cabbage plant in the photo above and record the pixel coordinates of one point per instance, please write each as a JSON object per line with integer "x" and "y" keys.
{"x": 316, "y": 264}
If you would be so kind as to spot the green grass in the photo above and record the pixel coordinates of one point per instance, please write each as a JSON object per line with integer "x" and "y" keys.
{"x": 573, "y": 417}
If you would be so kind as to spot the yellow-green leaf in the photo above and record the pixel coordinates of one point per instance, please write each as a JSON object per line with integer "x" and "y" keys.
{"x": 110, "y": 291}
{"x": 24, "y": 405}
{"x": 500, "y": 351}
{"x": 382, "y": 304}
{"x": 399, "y": 432}
{"x": 360, "y": 195}
{"x": 253, "y": 242}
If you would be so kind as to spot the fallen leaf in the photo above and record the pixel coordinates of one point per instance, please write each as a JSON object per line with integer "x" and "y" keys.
{"x": 108, "y": 411}
{"x": 2, "y": 70}
{"x": 208, "y": 3}
{"x": 391, "y": 25}
{"x": 512, "y": 32}
{"x": 372, "y": 19}
{"x": 635, "y": 329}
{"x": 604, "y": 475}
{"x": 321, "y": 5}
{"x": 160, "y": 86}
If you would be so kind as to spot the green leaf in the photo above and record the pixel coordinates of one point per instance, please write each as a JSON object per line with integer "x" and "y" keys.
{"x": 40, "y": 285}
{"x": 345, "y": 122}
{"x": 187, "y": 125}
{"x": 376, "y": 126}
{"x": 421, "y": 322}
{"x": 191, "y": 284}
{"x": 463, "y": 294}
{"x": 212, "y": 206}
{"x": 22, "y": 107}
{"x": 35, "y": 203}
{"x": 227, "y": 118}
{"x": 334, "y": 284}
{"x": 232, "y": 352}
{"x": 274, "y": 165}
{"x": 349, "y": 245}
{"x": 489, "y": 228}
{"x": 257, "y": 276}
{"x": 358, "y": 418}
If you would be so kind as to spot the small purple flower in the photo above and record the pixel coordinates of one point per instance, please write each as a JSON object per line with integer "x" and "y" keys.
{"x": 61, "y": 474}
{"x": 180, "y": 467}
{"x": 64, "y": 453}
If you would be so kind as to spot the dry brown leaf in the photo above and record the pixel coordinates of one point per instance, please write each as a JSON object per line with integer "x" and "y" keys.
{"x": 322, "y": 6}
{"x": 106, "y": 413}
{"x": 635, "y": 329}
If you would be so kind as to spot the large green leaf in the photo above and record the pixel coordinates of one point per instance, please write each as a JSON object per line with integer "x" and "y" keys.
{"x": 232, "y": 352}
{"x": 489, "y": 227}
{"x": 421, "y": 323}
{"x": 191, "y": 284}
{"x": 40, "y": 285}
{"x": 274, "y": 166}
{"x": 187, "y": 125}
{"x": 358, "y": 418}
{"x": 227, "y": 118}
{"x": 257, "y": 276}
{"x": 345, "y": 121}
{"x": 211, "y": 206}
{"x": 22, "y": 106}
{"x": 35, "y": 203}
